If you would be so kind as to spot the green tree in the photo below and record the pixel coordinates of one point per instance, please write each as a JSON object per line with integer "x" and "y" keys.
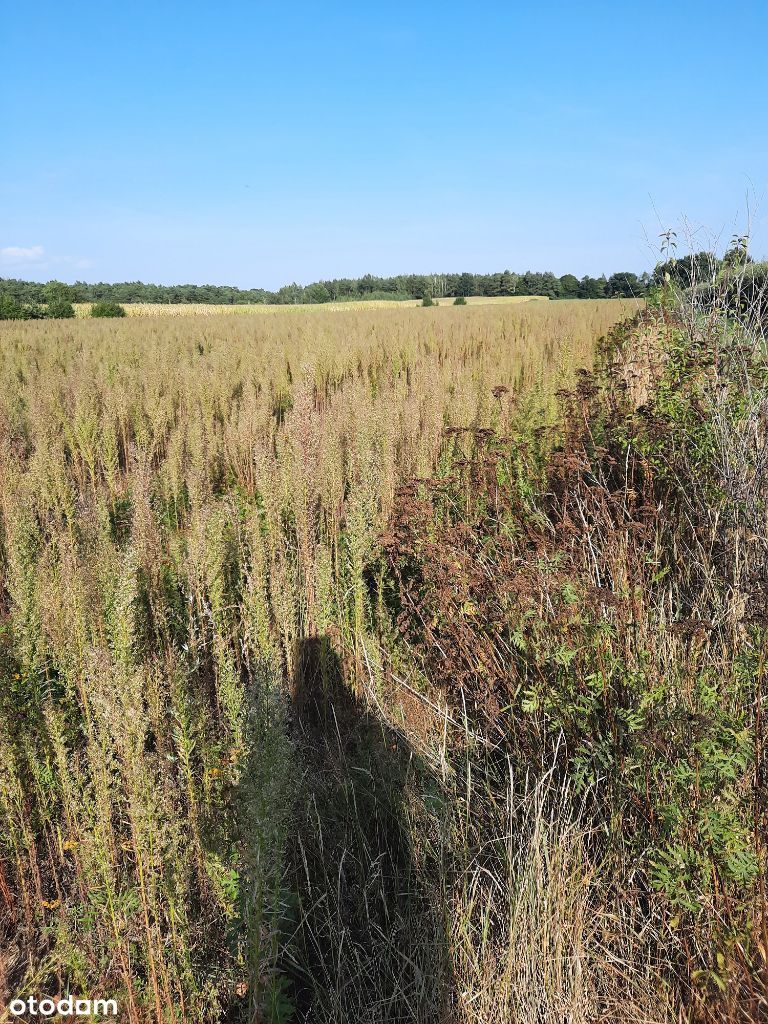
{"x": 548, "y": 285}
{"x": 418, "y": 286}
{"x": 9, "y": 308}
{"x": 569, "y": 286}
{"x": 317, "y": 293}
{"x": 290, "y": 294}
{"x": 57, "y": 291}
{"x": 625, "y": 284}
{"x": 591, "y": 287}
{"x": 508, "y": 283}
{"x": 695, "y": 268}
{"x": 466, "y": 284}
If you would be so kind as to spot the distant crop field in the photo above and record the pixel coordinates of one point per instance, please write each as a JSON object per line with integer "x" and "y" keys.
{"x": 83, "y": 309}
{"x": 493, "y": 300}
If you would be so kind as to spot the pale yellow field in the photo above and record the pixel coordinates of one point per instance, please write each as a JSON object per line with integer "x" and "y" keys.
{"x": 489, "y": 300}
{"x": 83, "y": 309}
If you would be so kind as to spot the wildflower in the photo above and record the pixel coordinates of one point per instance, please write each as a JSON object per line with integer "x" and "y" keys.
{"x": 51, "y": 904}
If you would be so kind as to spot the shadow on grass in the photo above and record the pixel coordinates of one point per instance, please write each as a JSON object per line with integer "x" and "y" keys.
{"x": 369, "y": 942}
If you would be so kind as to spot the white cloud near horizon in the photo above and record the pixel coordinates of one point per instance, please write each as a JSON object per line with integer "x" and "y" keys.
{"x": 21, "y": 256}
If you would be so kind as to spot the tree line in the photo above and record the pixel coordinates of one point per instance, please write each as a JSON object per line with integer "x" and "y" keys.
{"x": 51, "y": 301}
{"x": 34, "y": 295}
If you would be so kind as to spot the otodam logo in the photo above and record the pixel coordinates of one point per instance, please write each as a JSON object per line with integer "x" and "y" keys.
{"x": 67, "y": 1006}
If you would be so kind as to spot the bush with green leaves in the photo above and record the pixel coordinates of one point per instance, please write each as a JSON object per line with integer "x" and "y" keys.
{"x": 459, "y": 301}
{"x": 106, "y": 309}
{"x": 59, "y": 309}
{"x": 10, "y": 309}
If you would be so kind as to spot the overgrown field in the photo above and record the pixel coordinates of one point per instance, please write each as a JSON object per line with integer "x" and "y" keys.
{"x": 350, "y": 674}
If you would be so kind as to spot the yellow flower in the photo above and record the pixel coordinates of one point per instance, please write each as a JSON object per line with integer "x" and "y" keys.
{"x": 50, "y": 904}
{"x": 70, "y": 844}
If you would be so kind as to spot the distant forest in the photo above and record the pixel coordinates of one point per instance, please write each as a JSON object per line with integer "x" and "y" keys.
{"x": 401, "y": 287}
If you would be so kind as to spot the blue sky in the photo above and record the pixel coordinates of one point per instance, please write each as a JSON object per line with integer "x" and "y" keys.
{"x": 258, "y": 143}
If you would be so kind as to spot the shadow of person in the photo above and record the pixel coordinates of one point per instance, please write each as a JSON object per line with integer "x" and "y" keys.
{"x": 369, "y": 943}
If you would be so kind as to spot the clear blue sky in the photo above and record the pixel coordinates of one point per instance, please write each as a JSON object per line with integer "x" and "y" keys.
{"x": 255, "y": 143}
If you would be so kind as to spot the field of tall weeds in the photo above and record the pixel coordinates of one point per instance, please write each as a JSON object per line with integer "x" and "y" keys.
{"x": 381, "y": 666}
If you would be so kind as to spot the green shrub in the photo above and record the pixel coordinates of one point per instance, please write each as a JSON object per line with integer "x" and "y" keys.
{"x": 59, "y": 309}
{"x": 428, "y": 301}
{"x": 10, "y": 309}
{"x": 107, "y": 309}
{"x": 459, "y": 301}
